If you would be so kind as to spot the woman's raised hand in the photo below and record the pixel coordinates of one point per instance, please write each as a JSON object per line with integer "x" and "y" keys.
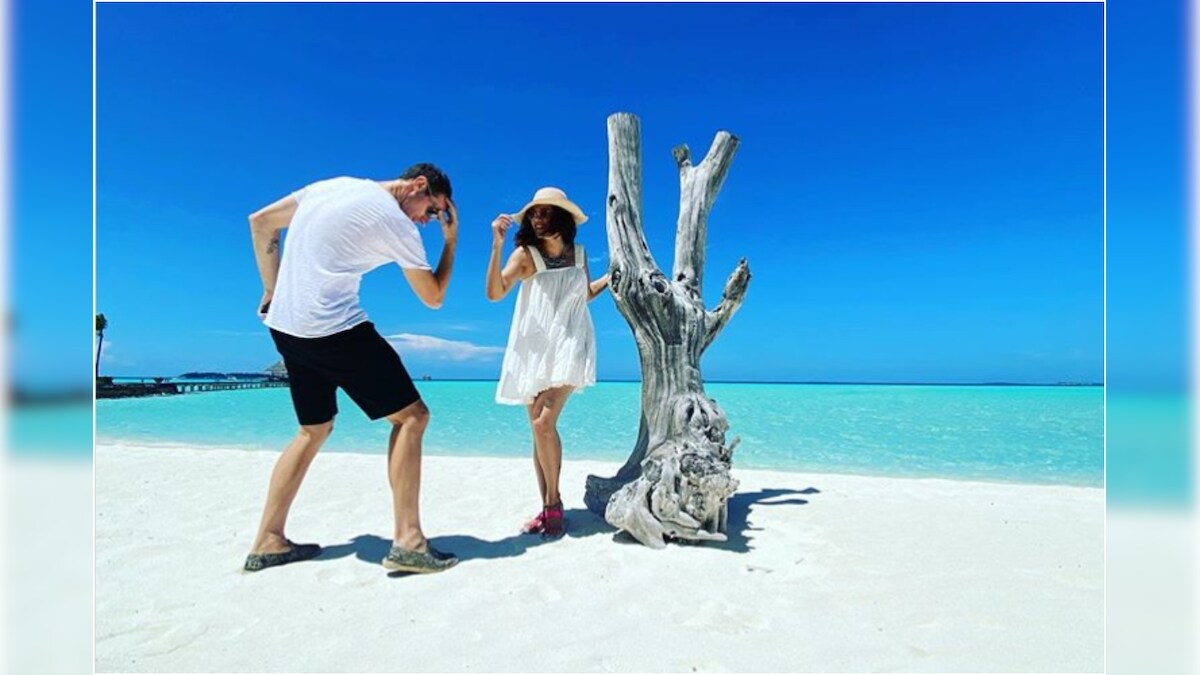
{"x": 500, "y": 227}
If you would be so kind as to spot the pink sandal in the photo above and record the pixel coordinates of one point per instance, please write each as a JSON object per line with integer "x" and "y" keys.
{"x": 553, "y": 523}
{"x": 536, "y": 525}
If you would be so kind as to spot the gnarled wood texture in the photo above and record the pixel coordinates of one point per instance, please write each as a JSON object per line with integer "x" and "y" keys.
{"x": 676, "y": 482}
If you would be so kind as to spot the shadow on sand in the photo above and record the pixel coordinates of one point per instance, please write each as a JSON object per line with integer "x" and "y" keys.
{"x": 740, "y": 506}
{"x": 372, "y": 549}
{"x": 581, "y": 523}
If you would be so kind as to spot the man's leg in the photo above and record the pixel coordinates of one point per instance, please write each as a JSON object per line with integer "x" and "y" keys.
{"x": 404, "y": 474}
{"x": 285, "y": 483}
{"x": 371, "y": 373}
{"x": 314, "y": 398}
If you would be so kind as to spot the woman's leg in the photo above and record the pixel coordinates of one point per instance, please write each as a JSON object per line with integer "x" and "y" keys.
{"x": 537, "y": 462}
{"x": 548, "y": 445}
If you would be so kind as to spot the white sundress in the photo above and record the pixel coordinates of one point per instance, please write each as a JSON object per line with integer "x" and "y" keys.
{"x": 552, "y": 342}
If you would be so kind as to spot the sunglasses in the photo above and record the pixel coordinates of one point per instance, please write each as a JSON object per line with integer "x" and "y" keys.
{"x": 543, "y": 212}
{"x": 433, "y": 211}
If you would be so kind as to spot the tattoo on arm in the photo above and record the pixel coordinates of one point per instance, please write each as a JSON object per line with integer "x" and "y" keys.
{"x": 273, "y": 245}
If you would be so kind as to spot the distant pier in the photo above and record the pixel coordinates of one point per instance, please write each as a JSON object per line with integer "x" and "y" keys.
{"x": 135, "y": 389}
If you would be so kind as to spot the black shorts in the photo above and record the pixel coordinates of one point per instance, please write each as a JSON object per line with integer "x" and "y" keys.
{"x": 358, "y": 360}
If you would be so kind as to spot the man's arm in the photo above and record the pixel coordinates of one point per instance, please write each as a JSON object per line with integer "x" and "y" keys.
{"x": 265, "y": 225}
{"x": 429, "y": 286}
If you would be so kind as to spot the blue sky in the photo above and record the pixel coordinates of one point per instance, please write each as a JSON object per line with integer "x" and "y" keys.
{"x": 1147, "y": 203}
{"x": 50, "y": 270}
{"x": 918, "y": 189}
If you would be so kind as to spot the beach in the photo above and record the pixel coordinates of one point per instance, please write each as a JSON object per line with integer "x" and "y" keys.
{"x": 822, "y": 572}
{"x": 48, "y": 594}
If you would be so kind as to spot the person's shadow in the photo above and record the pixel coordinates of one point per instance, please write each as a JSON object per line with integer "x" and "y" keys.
{"x": 581, "y": 523}
{"x": 372, "y": 548}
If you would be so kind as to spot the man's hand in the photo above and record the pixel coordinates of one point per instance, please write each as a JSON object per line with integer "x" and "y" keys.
{"x": 265, "y": 303}
{"x": 449, "y": 222}
{"x": 265, "y": 226}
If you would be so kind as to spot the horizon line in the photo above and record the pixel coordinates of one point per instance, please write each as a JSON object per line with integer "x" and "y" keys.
{"x": 911, "y": 383}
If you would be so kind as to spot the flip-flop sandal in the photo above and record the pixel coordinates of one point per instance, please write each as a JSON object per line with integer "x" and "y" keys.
{"x": 421, "y": 562}
{"x": 295, "y": 553}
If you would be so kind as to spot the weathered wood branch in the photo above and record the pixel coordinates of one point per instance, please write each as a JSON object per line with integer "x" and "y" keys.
{"x": 698, "y": 188}
{"x": 626, "y": 242}
{"x": 731, "y": 300}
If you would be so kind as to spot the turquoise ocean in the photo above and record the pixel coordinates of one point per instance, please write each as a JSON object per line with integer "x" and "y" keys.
{"x": 1026, "y": 434}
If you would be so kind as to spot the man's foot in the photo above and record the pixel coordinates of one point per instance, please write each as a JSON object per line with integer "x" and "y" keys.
{"x": 420, "y": 562}
{"x": 294, "y": 553}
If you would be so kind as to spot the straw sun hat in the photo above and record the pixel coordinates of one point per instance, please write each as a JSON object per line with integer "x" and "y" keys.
{"x": 554, "y": 197}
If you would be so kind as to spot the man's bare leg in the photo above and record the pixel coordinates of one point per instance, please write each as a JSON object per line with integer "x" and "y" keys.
{"x": 286, "y": 478}
{"x": 404, "y": 474}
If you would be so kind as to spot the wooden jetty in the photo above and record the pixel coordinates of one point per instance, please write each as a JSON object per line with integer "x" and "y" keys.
{"x": 133, "y": 389}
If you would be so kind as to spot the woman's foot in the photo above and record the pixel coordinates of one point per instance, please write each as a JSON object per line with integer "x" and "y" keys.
{"x": 553, "y": 523}
{"x": 535, "y": 524}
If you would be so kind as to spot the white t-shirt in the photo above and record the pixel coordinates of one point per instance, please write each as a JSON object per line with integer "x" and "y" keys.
{"x": 343, "y": 228}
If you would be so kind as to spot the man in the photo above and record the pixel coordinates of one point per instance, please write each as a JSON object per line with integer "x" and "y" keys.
{"x": 340, "y": 229}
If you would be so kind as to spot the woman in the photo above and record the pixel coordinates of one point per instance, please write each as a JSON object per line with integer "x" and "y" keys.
{"x": 551, "y": 345}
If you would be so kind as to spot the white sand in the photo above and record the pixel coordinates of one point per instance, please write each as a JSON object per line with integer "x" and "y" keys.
{"x": 822, "y": 573}
{"x": 47, "y": 584}
{"x": 1152, "y": 584}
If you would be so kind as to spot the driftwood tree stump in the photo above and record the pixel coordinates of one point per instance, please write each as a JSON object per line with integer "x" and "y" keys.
{"x": 676, "y": 482}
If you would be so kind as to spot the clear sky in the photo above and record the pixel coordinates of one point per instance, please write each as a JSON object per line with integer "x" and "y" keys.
{"x": 1147, "y": 203}
{"x": 918, "y": 189}
{"x": 50, "y": 245}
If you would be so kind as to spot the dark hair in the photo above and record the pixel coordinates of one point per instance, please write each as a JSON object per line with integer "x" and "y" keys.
{"x": 562, "y": 224}
{"x": 439, "y": 183}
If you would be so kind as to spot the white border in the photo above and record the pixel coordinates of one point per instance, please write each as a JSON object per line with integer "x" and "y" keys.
{"x": 1104, "y": 308}
{"x": 7, "y": 219}
{"x": 1192, "y": 293}
{"x": 92, "y": 336}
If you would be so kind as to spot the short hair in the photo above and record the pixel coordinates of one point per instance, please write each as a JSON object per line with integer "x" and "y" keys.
{"x": 439, "y": 182}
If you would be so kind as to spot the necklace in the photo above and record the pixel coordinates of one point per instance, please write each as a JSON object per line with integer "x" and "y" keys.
{"x": 559, "y": 260}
